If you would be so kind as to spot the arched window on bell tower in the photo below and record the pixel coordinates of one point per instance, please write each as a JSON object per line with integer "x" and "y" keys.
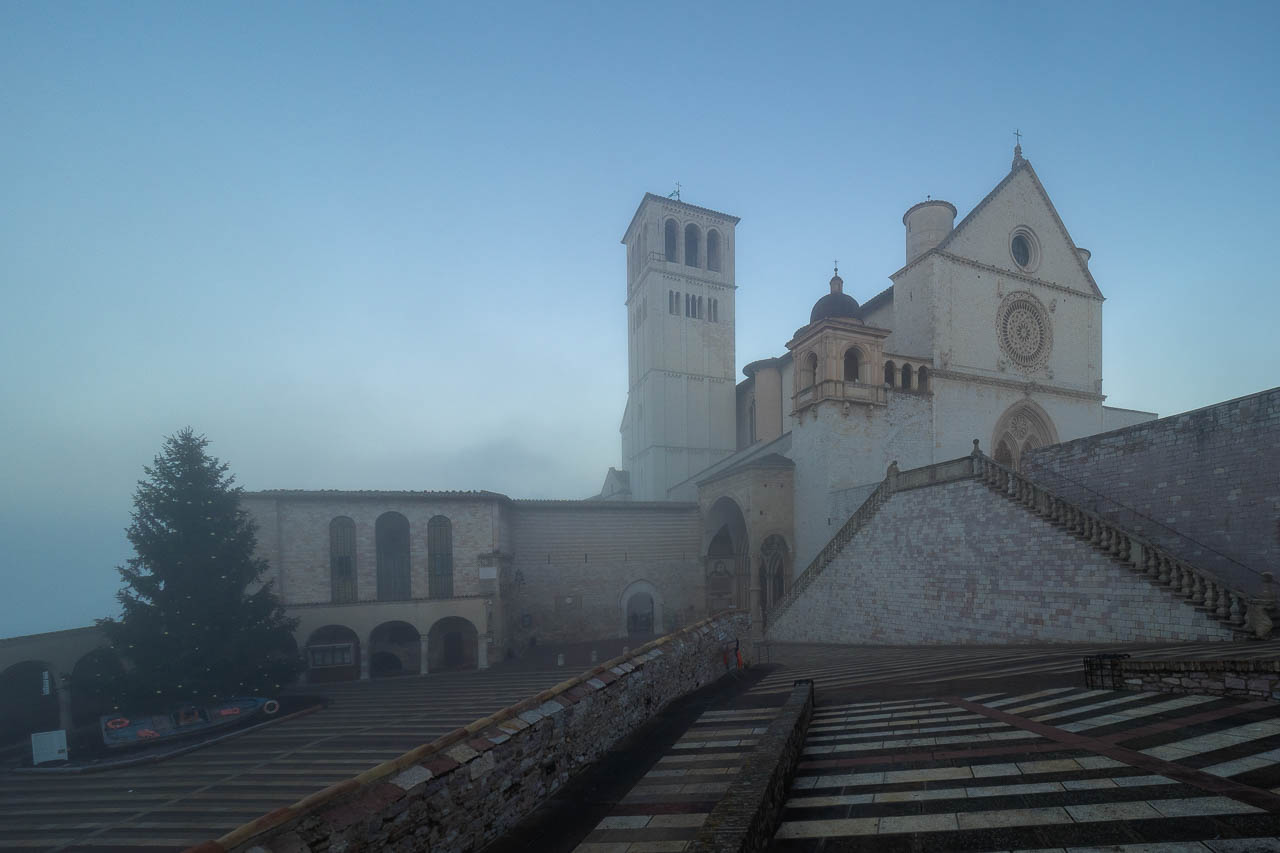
{"x": 691, "y": 245}
{"x": 851, "y": 365}
{"x": 809, "y": 370}
{"x": 713, "y": 250}
{"x": 669, "y": 232}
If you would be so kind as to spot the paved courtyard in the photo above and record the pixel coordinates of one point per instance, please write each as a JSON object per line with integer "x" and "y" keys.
{"x": 982, "y": 748}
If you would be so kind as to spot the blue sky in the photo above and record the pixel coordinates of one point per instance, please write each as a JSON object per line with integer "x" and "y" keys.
{"x": 376, "y": 245}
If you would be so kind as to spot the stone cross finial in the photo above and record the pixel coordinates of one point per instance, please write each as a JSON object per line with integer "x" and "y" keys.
{"x": 1017, "y": 148}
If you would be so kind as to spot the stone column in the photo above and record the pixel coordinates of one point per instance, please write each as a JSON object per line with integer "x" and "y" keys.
{"x": 422, "y": 655}
{"x": 482, "y": 652}
{"x": 62, "y": 683}
{"x": 364, "y": 661}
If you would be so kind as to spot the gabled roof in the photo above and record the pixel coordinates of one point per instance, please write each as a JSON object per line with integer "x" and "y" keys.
{"x": 1020, "y": 164}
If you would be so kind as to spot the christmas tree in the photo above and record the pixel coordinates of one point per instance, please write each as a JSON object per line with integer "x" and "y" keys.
{"x": 197, "y": 622}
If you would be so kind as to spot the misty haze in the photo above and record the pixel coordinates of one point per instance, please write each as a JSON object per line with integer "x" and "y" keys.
{"x": 651, "y": 429}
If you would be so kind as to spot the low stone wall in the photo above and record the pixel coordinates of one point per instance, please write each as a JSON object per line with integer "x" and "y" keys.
{"x": 747, "y": 815}
{"x": 470, "y": 786}
{"x": 1256, "y": 678}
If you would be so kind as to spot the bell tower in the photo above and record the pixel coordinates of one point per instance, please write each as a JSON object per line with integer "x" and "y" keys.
{"x": 680, "y": 409}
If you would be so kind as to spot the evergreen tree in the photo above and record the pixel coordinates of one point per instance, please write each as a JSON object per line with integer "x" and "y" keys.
{"x": 197, "y": 623}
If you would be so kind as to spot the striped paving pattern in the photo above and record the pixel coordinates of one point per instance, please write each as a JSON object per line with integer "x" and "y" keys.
{"x": 667, "y": 807}
{"x": 1059, "y": 768}
{"x": 187, "y": 799}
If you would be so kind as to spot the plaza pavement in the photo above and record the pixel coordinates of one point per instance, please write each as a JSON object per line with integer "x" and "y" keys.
{"x": 911, "y": 748}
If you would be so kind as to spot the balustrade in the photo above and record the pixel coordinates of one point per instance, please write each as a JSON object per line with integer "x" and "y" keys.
{"x": 1183, "y": 579}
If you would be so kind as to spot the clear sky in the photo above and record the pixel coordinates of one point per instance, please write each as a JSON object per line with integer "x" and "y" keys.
{"x": 375, "y": 246}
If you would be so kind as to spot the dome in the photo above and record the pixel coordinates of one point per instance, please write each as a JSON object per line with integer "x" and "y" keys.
{"x": 837, "y": 303}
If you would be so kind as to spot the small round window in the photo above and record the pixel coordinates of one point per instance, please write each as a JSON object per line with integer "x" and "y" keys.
{"x": 1025, "y": 249}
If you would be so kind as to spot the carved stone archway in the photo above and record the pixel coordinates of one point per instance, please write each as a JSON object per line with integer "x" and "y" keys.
{"x": 1022, "y": 427}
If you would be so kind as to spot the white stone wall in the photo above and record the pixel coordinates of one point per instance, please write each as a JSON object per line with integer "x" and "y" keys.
{"x": 680, "y": 414}
{"x": 957, "y": 563}
{"x": 835, "y": 452}
{"x": 968, "y": 410}
{"x": 967, "y": 297}
{"x": 911, "y": 314}
{"x": 1113, "y": 418}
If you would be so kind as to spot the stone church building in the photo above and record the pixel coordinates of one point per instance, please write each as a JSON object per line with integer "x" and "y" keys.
{"x": 991, "y": 330}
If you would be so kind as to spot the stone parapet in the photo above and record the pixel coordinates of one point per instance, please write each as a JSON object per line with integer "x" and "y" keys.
{"x": 747, "y": 815}
{"x": 1256, "y": 678}
{"x": 464, "y": 789}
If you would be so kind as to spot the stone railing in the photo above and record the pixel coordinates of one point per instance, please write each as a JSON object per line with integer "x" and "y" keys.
{"x": 831, "y": 550}
{"x": 894, "y": 481}
{"x": 1202, "y": 589}
{"x": 463, "y": 790}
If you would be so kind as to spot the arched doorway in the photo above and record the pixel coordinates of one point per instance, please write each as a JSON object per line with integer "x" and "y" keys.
{"x": 28, "y": 700}
{"x": 333, "y": 654}
{"x": 452, "y": 644}
{"x": 95, "y": 682}
{"x": 395, "y": 648}
{"x": 726, "y": 557}
{"x": 642, "y": 610}
{"x": 1023, "y": 427}
{"x": 775, "y": 571}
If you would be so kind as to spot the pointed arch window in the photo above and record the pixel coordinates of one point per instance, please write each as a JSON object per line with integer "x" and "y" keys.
{"x": 391, "y": 533}
{"x": 692, "y": 239}
{"x": 713, "y": 250}
{"x": 669, "y": 234}
{"x": 773, "y": 571}
{"x": 342, "y": 560}
{"x": 439, "y": 557}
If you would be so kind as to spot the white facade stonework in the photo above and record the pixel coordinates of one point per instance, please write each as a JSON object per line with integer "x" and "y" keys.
{"x": 957, "y": 563}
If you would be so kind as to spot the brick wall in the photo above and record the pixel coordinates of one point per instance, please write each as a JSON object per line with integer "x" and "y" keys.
{"x": 1212, "y": 475}
{"x": 467, "y": 788}
{"x": 957, "y": 563}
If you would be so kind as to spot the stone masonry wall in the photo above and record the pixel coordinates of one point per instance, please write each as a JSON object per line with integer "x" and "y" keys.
{"x": 1256, "y": 678}
{"x": 467, "y": 788}
{"x": 578, "y": 560}
{"x": 1212, "y": 475}
{"x": 957, "y": 563}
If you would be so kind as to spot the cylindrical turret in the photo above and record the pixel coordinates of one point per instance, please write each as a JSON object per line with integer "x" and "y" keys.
{"x": 1085, "y": 255}
{"x": 928, "y": 224}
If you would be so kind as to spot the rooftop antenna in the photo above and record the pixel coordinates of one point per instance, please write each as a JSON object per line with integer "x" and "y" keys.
{"x": 675, "y": 193}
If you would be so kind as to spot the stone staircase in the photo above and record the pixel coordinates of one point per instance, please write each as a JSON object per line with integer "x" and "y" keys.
{"x": 1231, "y": 607}
{"x": 831, "y": 550}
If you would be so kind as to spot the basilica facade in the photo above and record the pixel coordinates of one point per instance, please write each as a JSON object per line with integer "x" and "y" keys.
{"x": 990, "y": 331}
